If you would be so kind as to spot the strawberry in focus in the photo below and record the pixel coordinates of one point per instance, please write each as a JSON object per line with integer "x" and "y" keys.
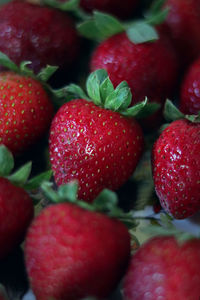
{"x": 176, "y": 168}
{"x": 94, "y": 141}
{"x": 16, "y": 213}
{"x": 38, "y": 34}
{"x": 25, "y": 111}
{"x": 190, "y": 90}
{"x": 164, "y": 269}
{"x": 72, "y": 253}
{"x": 183, "y": 22}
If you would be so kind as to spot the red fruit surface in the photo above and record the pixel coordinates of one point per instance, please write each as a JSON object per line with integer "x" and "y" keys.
{"x": 184, "y": 23}
{"x": 150, "y": 69}
{"x": 98, "y": 147}
{"x": 190, "y": 90}
{"x": 38, "y": 34}
{"x": 176, "y": 168}
{"x": 72, "y": 253}
{"x": 16, "y": 212}
{"x": 164, "y": 269}
{"x": 25, "y": 111}
{"x": 121, "y": 9}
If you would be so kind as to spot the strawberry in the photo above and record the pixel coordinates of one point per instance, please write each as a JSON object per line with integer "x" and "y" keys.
{"x": 39, "y": 34}
{"x": 164, "y": 269}
{"x": 97, "y": 146}
{"x": 190, "y": 90}
{"x": 16, "y": 206}
{"x": 176, "y": 167}
{"x": 25, "y": 108}
{"x": 117, "y": 8}
{"x": 141, "y": 65}
{"x": 183, "y": 22}
{"x": 66, "y": 254}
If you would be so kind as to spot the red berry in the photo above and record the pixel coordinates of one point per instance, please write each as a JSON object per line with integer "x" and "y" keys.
{"x": 72, "y": 253}
{"x": 38, "y": 34}
{"x": 164, "y": 269}
{"x": 190, "y": 90}
{"x": 116, "y": 7}
{"x": 16, "y": 212}
{"x": 176, "y": 168}
{"x": 25, "y": 111}
{"x": 150, "y": 69}
{"x": 98, "y": 147}
{"x": 184, "y": 23}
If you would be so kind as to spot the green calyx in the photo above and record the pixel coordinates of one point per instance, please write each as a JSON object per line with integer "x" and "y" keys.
{"x": 102, "y": 26}
{"x": 106, "y": 202}
{"x": 165, "y": 227}
{"x": 101, "y": 91}
{"x": 21, "y": 176}
{"x": 172, "y": 113}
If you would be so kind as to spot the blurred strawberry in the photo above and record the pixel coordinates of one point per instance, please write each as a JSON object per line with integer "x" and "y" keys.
{"x": 38, "y": 34}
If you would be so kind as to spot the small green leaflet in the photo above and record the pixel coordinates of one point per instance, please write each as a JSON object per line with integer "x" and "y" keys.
{"x": 6, "y": 161}
{"x": 70, "y": 5}
{"x": 21, "y": 175}
{"x": 171, "y": 113}
{"x": 141, "y": 32}
{"x": 93, "y": 85}
{"x": 6, "y": 62}
{"x": 36, "y": 181}
{"x": 46, "y": 73}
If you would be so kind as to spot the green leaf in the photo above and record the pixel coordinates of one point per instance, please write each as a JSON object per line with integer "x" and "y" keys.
{"x": 46, "y": 73}
{"x": 133, "y": 111}
{"x": 46, "y": 187}
{"x": 171, "y": 113}
{"x": 68, "y": 191}
{"x": 141, "y": 32}
{"x": 21, "y": 176}
{"x": 89, "y": 30}
{"x": 106, "y": 88}
{"x": 106, "y": 200}
{"x": 36, "y": 181}
{"x": 157, "y": 18}
{"x": 107, "y": 24}
{"x": 193, "y": 118}
{"x": 6, "y": 161}
{"x": 119, "y": 99}
{"x": 156, "y": 6}
{"x": 24, "y": 70}
{"x": 6, "y": 62}
{"x": 76, "y": 91}
{"x": 93, "y": 83}
{"x": 70, "y": 5}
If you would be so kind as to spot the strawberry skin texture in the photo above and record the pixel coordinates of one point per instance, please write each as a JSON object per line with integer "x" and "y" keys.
{"x": 183, "y": 21}
{"x": 72, "y": 253}
{"x": 98, "y": 147}
{"x": 121, "y": 9}
{"x": 150, "y": 69}
{"x": 25, "y": 111}
{"x": 38, "y": 34}
{"x": 176, "y": 168}
{"x": 16, "y": 212}
{"x": 164, "y": 269}
{"x": 190, "y": 90}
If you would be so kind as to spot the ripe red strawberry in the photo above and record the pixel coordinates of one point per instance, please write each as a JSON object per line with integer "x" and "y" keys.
{"x": 98, "y": 147}
{"x": 25, "y": 111}
{"x": 190, "y": 90}
{"x": 39, "y": 34}
{"x": 183, "y": 21}
{"x": 72, "y": 253}
{"x": 150, "y": 68}
{"x": 118, "y": 8}
{"x": 16, "y": 212}
{"x": 164, "y": 269}
{"x": 176, "y": 168}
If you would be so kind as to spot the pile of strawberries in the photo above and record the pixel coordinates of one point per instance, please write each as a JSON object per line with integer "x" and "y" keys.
{"x": 87, "y": 139}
